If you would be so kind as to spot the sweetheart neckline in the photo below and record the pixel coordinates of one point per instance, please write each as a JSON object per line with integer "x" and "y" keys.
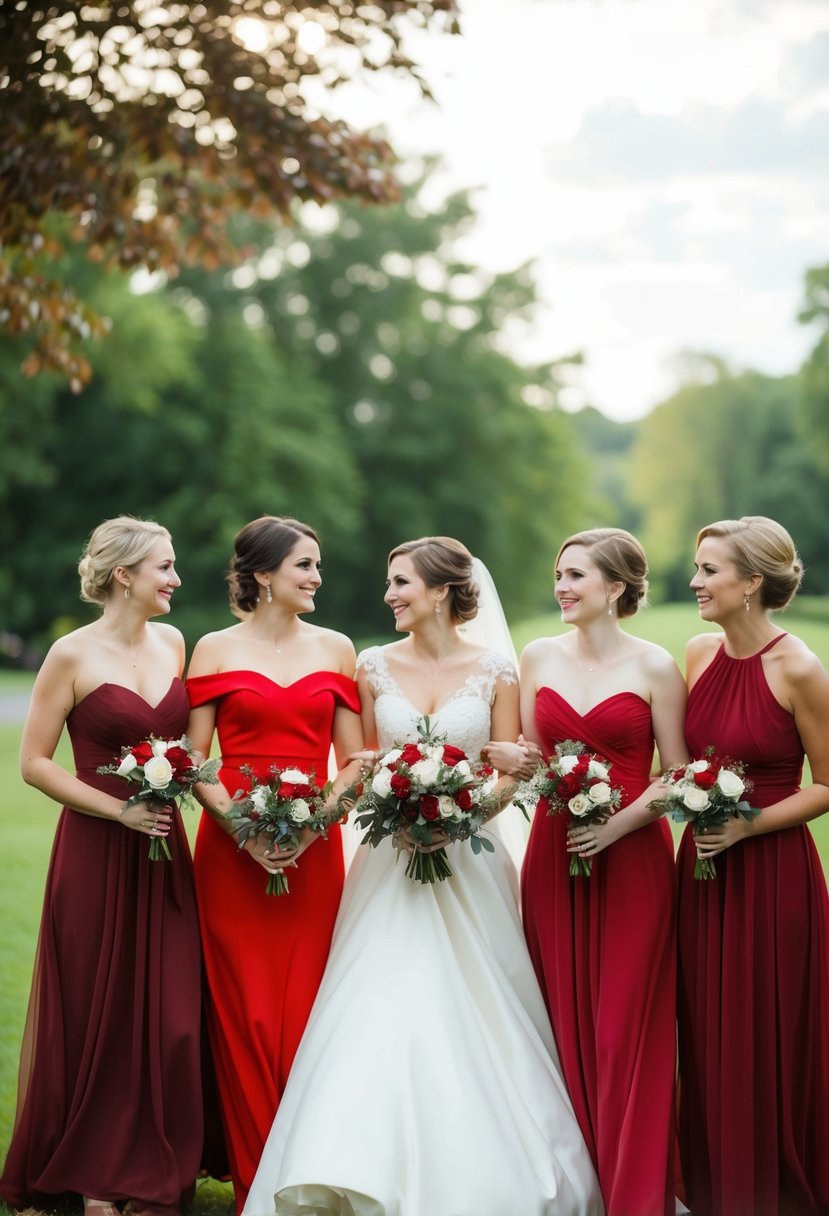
{"x": 111, "y": 684}
{"x": 626, "y": 692}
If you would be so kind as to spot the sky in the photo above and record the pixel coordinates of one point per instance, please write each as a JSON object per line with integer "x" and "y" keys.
{"x": 663, "y": 163}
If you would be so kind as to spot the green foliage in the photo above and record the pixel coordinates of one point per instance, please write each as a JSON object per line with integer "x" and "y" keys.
{"x": 814, "y": 379}
{"x": 726, "y": 445}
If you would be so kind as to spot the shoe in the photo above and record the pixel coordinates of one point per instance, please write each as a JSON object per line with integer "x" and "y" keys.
{"x": 99, "y": 1207}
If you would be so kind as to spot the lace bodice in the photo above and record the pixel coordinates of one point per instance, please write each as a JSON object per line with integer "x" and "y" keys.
{"x": 464, "y": 718}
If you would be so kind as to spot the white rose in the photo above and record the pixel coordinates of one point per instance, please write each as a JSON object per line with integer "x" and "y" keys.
{"x": 391, "y": 756}
{"x": 127, "y": 765}
{"x": 300, "y": 811}
{"x": 695, "y": 799}
{"x": 158, "y": 772}
{"x": 566, "y": 764}
{"x": 698, "y": 766}
{"x": 294, "y": 777}
{"x": 599, "y": 793}
{"x": 595, "y": 769}
{"x": 463, "y": 769}
{"x": 426, "y": 771}
{"x": 381, "y": 783}
{"x": 447, "y": 806}
{"x": 159, "y": 746}
{"x": 259, "y": 798}
{"x": 580, "y": 804}
{"x": 731, "y": 784}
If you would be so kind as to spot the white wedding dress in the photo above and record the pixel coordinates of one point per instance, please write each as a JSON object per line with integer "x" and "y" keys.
{"x": 427, "y": 1082}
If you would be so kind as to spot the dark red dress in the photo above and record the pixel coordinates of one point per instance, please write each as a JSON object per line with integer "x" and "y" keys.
{"x": 264, "y": 955}
{"x": 110, "y": 1090}
{"x": 754, "y": 977}
{"x": 604, "y": 952}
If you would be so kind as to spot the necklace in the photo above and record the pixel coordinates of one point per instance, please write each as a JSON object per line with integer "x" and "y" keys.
{"x": 139, "y": 652}
{"x": 602, "y": 662}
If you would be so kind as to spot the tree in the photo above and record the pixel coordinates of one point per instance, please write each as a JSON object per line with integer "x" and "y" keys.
{"x": 814, "y": 377}
{"x": 147, "y": 125}
{"x": 726, "y": 445}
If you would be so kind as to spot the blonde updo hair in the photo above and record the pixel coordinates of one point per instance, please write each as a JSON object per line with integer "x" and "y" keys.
{"x": 621, "y": 559}
{"x": 261, "y": 545}
{"x": 760, "y": 545}
{"x": 123, "y": 541}
{"x": 441, "y": 561}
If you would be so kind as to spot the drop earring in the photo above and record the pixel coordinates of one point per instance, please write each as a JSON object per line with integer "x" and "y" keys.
{"x": 747, "y": 603}
{"x": 126, "y": 593}
{"x": 269, "y": 595}
{"x": 610, "y": 607}
{"x": 438, "y": 609}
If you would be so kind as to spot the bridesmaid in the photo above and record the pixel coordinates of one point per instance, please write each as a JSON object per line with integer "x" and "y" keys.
{"x": 277, "y": 689}
{"x": 754, "y": 941}
{"x": 109, "y": 1104}
{"x": 604, "y": 947}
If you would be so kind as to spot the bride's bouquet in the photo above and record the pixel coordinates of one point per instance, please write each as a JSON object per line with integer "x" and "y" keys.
{"x": 573, "y": 780}
{"x": 427, "y": 789}
{"x": 279, "y": 809}
{"x": 166, "y": 769}
{"x": 706, "y": 793}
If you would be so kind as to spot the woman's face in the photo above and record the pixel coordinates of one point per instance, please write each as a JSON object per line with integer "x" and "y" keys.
{"x": 153, "y": 581}
{"x": 719, "y": 587}
{"x": 411, "y": 601}
{"x": 581, "y": 589}
{"x": 295, "y": 582}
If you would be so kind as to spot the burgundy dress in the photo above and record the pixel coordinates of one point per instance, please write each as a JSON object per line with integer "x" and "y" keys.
{"x": 264, "y": 954}
{"x": 754, "y": 977}
{"x": 604, "y": 952}
{"x": 109, "y": 1103}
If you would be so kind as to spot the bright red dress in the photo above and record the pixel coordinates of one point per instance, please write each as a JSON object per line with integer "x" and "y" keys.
{"x": 110, "y": 1077}
{"x": 754, "y": 977}
{"x": 604, "y": 952}
{"x": 264, "y": 955}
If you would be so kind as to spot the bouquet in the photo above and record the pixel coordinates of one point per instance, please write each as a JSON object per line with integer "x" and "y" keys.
{"x": 706, "y": 793}
{"x": 166, "y": 770}
{"x": 426, "y": 788}
{"x": 280, "y": 808}
{"x": 577, "y": 781}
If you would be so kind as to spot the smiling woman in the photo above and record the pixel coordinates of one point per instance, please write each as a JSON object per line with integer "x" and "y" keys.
{"x": 278, "y": 691}
{"x": 109, "y": 1106}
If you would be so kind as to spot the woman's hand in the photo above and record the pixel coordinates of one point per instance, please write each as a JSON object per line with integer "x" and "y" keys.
{"x": 273, "y": 859}
{"x": 591, "y": 839}
{"x": 149, "y": 818}
{"x": 518, "y": 760}
{"x": 717, "y": 840}
{"x": 403, "y": 839}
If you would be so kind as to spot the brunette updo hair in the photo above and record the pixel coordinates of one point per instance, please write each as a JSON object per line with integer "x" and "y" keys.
{"x": 621, "y": 559}
{"x": 760, "y": 545}
{"x": 122, "y": 541}
{"x": 262, "y": 545}
{"x": 442, "y": 561}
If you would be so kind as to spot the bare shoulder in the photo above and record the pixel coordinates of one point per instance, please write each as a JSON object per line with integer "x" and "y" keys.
{"x": 210, "y": 650}
{"x": 169, "y": 635}
{"x": 337, "y": 648}
{"x": 538, "y": 650}
{"x": 800, "y": 665}
{"x": 702, "y": 647}
{"x": 656, "y": 661}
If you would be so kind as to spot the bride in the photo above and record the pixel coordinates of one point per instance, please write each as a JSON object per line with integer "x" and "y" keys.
{"x": 427, "y": 1082}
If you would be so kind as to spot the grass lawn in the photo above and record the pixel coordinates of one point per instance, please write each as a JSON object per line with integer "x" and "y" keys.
{"x": 27, "y": 821}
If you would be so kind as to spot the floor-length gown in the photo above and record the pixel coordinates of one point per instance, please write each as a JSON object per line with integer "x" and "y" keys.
{"x": 604, "y": 952}
{"x": 753, "y": 976}
{"x": 264, "y": 954}
{"x": 110, "y": 1086}
{"x": 427, "y": 1082}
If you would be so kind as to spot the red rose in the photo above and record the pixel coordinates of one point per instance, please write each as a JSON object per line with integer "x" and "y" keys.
{"x": 582, "y": 764}
{"x": 401, "y": 786}
{"x": 678, "y": 774}
{"x": 142, "y": 752}
{"x": 452, "y": 755}
{"x": 410, "y": 811}
{"x": 410, "y": 754}
{"x": 705, "y": 779}
{"x": 569, "y": 785}
{"x": 485, "y": 770}
{"x": 254, "y": 815}
{"x": 180, "y": 760}
{"x": 429, "y": 807}
{"x": 463, "y": 798}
